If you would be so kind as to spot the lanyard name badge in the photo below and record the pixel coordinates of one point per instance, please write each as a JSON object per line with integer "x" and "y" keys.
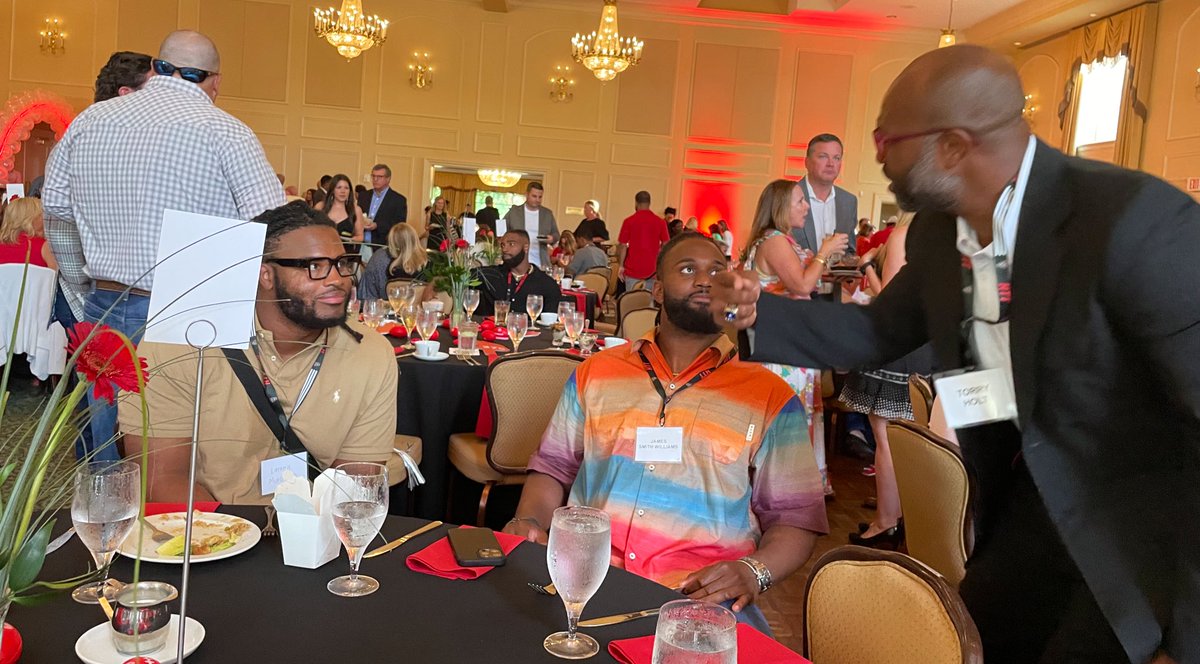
{"x": 664, "y": 444}
{"x": 973, "y": 397}
{"x": 512, "y": 292}
{"x": 273, "y": 471}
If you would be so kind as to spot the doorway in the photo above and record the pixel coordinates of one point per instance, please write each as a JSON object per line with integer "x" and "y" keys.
{"x": 35, "y": 152}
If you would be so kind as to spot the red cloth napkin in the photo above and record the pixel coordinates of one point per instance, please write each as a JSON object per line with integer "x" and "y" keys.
{"x": 164, "y": 508}
{"x": 438, "y": 559}
{"x": 754, "y": 647}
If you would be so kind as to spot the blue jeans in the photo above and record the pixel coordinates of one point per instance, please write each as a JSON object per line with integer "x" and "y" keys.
{"x": 752, "y": 616}
{"x": 128, "y": 316}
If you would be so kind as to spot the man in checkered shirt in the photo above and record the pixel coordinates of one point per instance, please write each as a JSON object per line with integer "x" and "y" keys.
{"x": 122, "y": 163}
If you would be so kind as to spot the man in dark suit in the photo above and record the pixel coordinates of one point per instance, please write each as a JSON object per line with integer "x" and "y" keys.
{"x": 488, "y": 215}
{"x": 322, "y": 191}
{"x": 385, "y": 206}
{"x": 831, "y": 209}
{"x": 1072, "y": 284}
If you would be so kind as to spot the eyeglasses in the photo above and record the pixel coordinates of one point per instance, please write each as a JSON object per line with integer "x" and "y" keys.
{"x": 164, "y": 68}
{"x": 319, "y": 267}
{"x": 882, "y": 140}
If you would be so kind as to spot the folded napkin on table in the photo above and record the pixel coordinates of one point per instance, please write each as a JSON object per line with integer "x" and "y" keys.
{"x": 164, "y": 508}
{"x": 754, "y": 647}
{"x": 438, "y": 559}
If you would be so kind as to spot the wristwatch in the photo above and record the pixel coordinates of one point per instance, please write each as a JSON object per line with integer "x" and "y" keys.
{"x": 760, "y": 572}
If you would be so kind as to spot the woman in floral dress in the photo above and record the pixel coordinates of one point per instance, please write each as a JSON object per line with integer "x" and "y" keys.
{"x": 785, "y": 269}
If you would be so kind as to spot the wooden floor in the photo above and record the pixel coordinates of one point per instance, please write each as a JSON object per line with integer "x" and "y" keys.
{"x": 783, "y": 604}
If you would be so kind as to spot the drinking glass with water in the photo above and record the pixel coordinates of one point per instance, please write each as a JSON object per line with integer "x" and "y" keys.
{"x": 691, "y": 632}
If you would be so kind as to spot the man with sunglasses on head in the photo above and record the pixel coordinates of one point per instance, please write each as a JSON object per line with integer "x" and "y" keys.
{"x": 334, "y": 384}
{"x": 122, "y": 163}
{"x": 1072, "y": 377}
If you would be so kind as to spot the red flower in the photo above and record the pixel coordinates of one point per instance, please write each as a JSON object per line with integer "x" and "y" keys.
{"x": 444, "y": 245}
{"x": 461, "y": 244}
{"x": 105, "y": 361}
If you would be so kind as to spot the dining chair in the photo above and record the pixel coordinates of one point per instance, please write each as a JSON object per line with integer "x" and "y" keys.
{"x": 523, "y": 390}
{"x": 636, "y": 323}
{"x": 921, "y": 394}
{"x": 628, "y": 301}
{"x": 909, "y": 611}
{"x": 594, "y": 282}
{"x": 935, "y": 496}
{"x": 44, "y": 346}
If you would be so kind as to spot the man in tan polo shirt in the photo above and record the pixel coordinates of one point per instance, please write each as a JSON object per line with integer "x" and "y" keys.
{"x": 348, "y": 414}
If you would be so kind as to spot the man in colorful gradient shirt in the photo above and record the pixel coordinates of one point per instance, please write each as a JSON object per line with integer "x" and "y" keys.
{"x": 714, "y": 492}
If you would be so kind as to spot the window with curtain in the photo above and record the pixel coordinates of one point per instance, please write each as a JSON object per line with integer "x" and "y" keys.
{"x": 501, "y": 200}
{"x": 1098, "y": 114}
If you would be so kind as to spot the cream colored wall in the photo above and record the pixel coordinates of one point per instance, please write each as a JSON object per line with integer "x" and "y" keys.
{"x": 718, "y": 108}
{"x": 1172, "y": 143}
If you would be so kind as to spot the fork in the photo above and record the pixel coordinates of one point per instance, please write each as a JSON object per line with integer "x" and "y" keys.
{"x": 157, "y": 534}
{"x": 547, "y": 589}
{"x": 269, "y": 529}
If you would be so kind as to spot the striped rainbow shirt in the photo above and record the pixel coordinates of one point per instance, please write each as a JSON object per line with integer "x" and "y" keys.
{"x": 747, "y": 461}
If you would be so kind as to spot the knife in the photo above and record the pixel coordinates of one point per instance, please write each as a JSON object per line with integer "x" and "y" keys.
{"x": 617, "y": 619}
{"x": 397, "y": 542}
{"x": 60, "y": 540}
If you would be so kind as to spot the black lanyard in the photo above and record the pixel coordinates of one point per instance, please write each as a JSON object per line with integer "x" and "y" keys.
{"x": 662, "y": 392}
{"x": 273, "y": 396}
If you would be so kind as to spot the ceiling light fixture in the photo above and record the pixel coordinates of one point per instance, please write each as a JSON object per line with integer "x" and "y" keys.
{"x": 948, "y": 38}
{"x": 605, "y": 52}
{"x": 498, "y": 177}
{"x": 349, "y": 29}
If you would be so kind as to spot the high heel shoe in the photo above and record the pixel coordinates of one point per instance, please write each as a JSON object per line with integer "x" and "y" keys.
{"x": 887, "y": 539}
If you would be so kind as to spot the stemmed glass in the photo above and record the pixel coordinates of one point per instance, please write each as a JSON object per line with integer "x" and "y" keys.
{"x": 373, "y": 312}
{"x": 360, "y": 504}
{"x": 399, "y": 294}
{"x": 408, "y": 317}
{"x": 577, "y": 555}
{"x": 586, "y": 341}
{"x": 533, "y": 306}
{"x": 103, "y": 511}
{"x": 574, "y": 324}
{"x": 427, "y": 322}
{"x": 518, "y": 326}
{"x": 470, "y": 302}
{"x": 564, "y": 309}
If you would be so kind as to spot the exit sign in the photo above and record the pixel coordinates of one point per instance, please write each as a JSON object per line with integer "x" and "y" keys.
{"x": 1193, "y": 184}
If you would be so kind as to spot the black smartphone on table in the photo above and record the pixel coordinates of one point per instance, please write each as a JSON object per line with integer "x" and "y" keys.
{"x": 476, "y": 547}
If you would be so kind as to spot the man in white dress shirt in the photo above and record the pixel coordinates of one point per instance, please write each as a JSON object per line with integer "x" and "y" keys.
{"x": 536, "y": 220}
{"x": 831, "y": 208}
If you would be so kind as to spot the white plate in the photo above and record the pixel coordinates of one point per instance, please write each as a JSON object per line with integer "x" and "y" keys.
{"x": 172, "y": 522}
{"x": 437, "y": 357}
{"x": 96, "y": 646}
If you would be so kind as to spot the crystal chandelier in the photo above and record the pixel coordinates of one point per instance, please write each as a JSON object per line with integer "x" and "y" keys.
{"x": 605, "y": 52}
{"x": 349, "y": 29}
{"x": 497, "y": 177}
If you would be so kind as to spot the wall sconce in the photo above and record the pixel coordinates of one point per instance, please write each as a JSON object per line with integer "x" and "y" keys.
{"x": 561, "y": 84}
{"x": 420, "y": 72}
{"x": 53, "y": 39}
{"x": 1030, "y": 108}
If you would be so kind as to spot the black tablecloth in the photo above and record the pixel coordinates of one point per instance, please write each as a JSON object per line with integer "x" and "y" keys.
{"x": 434, "y": 400}
{"x": 256, "y": 609}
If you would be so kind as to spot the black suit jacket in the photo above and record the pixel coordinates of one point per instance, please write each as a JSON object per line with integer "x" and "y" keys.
{"x": 393, "y": 209}
{"x": 1105, "y": 346}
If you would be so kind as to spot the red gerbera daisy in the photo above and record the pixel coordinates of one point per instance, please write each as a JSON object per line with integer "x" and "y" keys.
{"x": 444, "y": 245}
{"x": 461, "y": 244}
{"x": 105, "y": 361}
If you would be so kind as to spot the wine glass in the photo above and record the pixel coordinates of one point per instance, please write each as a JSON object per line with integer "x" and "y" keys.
{"x": 689, "y": 631}
{"x": 565, "y": 307}
{"x": 586, "y": 341}
{"x": 518, "y": 326}
{"x": 501, "y": 312}
{"x": 399, "y": 294}
{"x": 408, "y": 316}
{"x": 470, "y": 302}
{"x": 574, "y": 324}
{"x": 373, "y": 311}
{"x": 360, "y": 504}
{"x": 427, "y": 322}
{"x": 533, "y": 306}
{"x": 577, "y": 555}
{"x": 103, "y": 511}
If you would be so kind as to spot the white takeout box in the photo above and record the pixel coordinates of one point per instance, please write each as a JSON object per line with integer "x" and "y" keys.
{"x": 306, "y": 521}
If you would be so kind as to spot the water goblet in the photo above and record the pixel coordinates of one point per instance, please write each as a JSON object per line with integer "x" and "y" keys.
{"x": 578, "y": 558}
{"x": 427, "y": 322}
{"x": 360, "y": 505}
{"x": 533, "y": 306}
{"x": 573, "y": 325}
{"x": 103, "y": 511}
{"x": 399, "y": 294}
{"x": 373, "y": 312}
{"x": 408, "y": 316}
{"x": 518, "y": 326}
{"x": 470, "y": 302}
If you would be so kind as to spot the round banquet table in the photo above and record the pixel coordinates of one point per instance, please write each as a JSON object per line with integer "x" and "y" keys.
{"x": 435, "y": 400}
{"x": 256, "y": 609}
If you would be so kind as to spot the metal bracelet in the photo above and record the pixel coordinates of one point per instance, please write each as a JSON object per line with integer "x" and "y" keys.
{"x": 761, "y": 572}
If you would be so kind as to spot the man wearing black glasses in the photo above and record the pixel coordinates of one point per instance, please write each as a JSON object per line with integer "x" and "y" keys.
{"x": 333, "y": 382}
{"x": 122, "y": 163}
{"x": 1039, "y": 278}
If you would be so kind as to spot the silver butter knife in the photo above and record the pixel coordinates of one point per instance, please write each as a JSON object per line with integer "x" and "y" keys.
{"x": 59, "y": 541}
{"x": 617, "y": 619}
{"x": 397, "y": 542}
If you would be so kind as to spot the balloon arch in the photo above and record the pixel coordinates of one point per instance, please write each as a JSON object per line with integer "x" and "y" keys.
{"x": 20, "y": 114}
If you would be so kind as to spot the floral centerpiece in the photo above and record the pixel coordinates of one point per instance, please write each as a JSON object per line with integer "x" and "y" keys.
{"x": 450, "y": 271}
{"x": 34, "y": 484}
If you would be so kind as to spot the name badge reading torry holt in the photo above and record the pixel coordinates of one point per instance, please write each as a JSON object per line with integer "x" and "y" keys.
{"x": 977, "y": 397}
{"x": 659, "y": 445}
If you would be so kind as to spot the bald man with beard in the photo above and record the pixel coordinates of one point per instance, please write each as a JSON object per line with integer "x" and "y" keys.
{"x": 1065, "y": 290}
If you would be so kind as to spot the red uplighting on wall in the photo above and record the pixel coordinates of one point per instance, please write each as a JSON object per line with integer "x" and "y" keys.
{"x": 710, "y": 202}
